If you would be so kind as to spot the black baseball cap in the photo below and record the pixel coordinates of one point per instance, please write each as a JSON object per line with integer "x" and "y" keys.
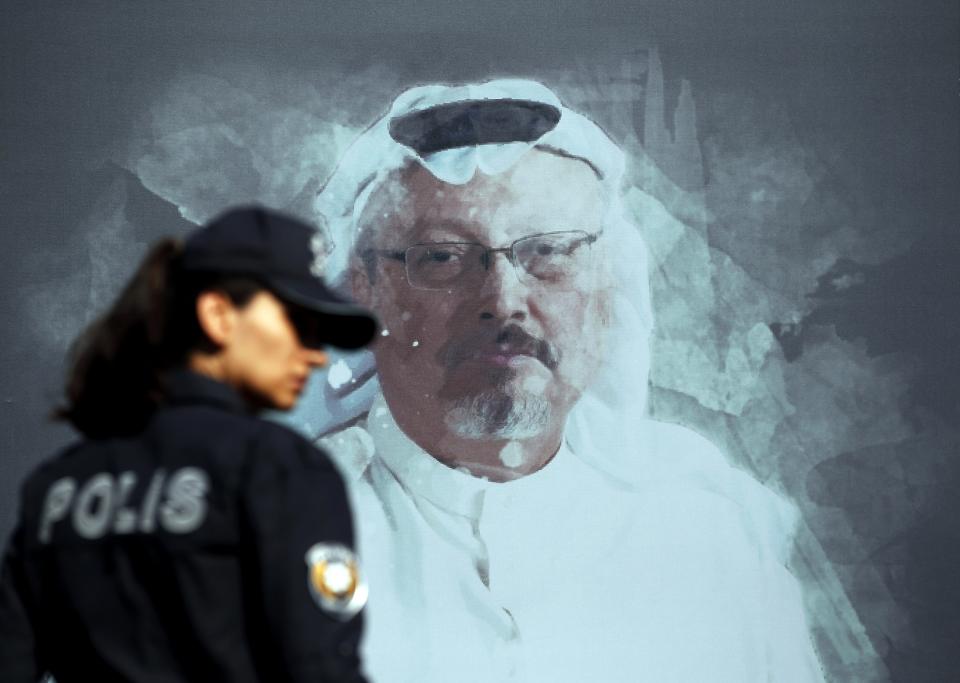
{"x": 278, "y": 250}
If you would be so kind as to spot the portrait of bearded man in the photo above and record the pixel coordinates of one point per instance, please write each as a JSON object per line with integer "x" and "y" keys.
{"x": 521, "y": 516}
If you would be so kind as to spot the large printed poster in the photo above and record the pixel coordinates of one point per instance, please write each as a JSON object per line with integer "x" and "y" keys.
{"x": 772, "y": 310}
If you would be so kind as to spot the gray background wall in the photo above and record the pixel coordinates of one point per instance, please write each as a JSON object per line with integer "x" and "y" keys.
{"x": 813, "y": 276}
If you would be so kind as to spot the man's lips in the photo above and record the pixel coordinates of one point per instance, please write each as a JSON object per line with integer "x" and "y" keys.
{"x": 505, "y": 355}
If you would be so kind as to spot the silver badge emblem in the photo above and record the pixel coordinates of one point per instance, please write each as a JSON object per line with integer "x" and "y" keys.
{"x": 333, "y": 576}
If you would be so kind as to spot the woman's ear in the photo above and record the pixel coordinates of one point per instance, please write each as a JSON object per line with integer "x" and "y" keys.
{"x": 217, "y": 316}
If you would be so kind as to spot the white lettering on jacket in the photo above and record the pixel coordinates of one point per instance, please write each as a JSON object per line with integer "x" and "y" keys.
{"x": 105, "y": 503}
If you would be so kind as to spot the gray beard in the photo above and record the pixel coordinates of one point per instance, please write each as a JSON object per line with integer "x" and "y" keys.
{"x": 496, "y": 414}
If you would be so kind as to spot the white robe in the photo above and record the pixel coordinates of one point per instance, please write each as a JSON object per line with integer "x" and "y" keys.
{"x": 569, "y": 574}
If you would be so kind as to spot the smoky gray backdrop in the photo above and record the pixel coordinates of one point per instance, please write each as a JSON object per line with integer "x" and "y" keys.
{"x": 806, "y": 303}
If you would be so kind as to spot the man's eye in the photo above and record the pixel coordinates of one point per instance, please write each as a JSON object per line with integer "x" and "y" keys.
{"x": 438, "y": 257}
{"x": 544, "y": 249}
{"x": 554, "y": 248}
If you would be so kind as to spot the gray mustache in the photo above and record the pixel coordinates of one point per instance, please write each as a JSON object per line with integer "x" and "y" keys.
{"x": 517, "y": 340}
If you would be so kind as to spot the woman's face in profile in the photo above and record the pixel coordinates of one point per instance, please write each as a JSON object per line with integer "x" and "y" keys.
{"x": 263, "y": 356}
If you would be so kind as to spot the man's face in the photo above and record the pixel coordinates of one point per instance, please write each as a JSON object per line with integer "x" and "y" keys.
{"x": 496, "y": 354}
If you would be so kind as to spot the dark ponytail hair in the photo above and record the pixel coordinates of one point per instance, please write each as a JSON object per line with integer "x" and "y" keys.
{"x": 116, "y": 365}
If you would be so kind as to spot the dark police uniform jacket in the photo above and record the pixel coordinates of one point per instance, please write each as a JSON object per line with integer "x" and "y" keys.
{"x": 194, "y": 551}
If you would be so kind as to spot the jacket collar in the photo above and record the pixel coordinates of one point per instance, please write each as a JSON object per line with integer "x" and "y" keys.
{"x": 185, "y": 386}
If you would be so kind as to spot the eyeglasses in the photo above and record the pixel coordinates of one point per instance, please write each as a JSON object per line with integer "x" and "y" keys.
{"x": 552, "y": 257}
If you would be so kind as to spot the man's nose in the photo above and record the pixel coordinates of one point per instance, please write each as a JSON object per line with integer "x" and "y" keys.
{"x": 502, "y": 296}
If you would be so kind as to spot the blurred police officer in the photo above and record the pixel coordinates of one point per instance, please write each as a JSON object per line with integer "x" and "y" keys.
{"x": 185, "y": 538}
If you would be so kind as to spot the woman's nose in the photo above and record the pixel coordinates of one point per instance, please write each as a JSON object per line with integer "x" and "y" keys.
{"x": 317, "y": 358}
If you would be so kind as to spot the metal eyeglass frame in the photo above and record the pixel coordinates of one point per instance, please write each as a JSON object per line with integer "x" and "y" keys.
{"x": 486, "y": 259}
